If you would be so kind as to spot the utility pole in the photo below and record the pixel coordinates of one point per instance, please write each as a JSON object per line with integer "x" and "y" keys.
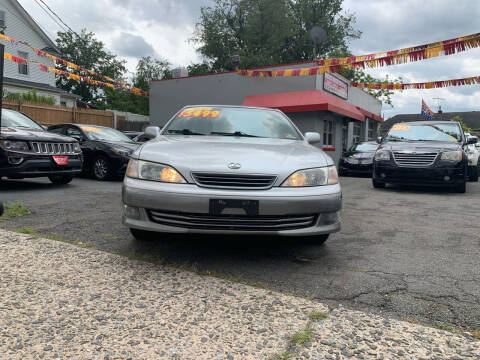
{"x": 439, "y": 111}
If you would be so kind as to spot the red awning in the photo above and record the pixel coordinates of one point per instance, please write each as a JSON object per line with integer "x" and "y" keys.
{"x": 370, "y": 115}
{"x": 301, "y": 101}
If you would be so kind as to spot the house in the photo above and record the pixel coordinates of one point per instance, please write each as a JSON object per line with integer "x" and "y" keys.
{"x": 16, "y": 23}
{"x": 469, "y": 118}
{"x": 324, "y": 103}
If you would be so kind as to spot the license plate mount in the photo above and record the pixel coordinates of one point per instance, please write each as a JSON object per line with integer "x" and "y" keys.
{"x": 233, "y": 207}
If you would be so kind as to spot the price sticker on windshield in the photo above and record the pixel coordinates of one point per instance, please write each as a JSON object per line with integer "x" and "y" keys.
{"x": 401, "y": 127}
{"x": 200, "y": 112}
{"x": 91, "y": 129}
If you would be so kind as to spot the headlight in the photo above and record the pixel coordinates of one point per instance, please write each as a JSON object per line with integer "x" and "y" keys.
{"x": 122, "y": 151}
{"x": 14, "y": 145}
{"x": 154, "y": 172}
{"x": 382, "y": 155}
{"x": 312, "y": 177}
{"x": 451, "y": 155}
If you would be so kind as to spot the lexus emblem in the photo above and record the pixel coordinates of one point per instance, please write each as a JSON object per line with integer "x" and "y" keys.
{"x": 234, "y": 166}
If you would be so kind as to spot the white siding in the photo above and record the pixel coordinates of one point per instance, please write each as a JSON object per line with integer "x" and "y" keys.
{"x": 18, "y": 28}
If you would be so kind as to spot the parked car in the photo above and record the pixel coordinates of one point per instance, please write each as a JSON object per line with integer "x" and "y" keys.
{"x": 231, "y": 170}
{"x": 473, "y": 153}
{"x": 106, "y": 151}
{"x": 423, "y": 153}
{"x": 132, "y": 134}
{"x": 358, "y": 159}
{"x": 28, "y": 151}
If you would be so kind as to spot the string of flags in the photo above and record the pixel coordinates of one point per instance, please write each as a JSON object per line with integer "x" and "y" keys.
{"x": 107, "y": 81}
{"x": 420, "y": 85}
{"x": 69, "y": 75}
{"x": 386, "y": 58}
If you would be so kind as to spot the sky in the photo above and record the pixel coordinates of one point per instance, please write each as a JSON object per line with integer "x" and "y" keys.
{"x": 163, "y": 28}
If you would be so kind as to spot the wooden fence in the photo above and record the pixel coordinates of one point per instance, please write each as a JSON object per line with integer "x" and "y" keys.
{"x": 51, "y": 114}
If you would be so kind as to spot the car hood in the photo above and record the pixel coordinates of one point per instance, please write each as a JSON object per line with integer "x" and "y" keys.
{"x": 214, "y": 153}
{"x": 422, "y": 146}
{"x": 33, "y": 135}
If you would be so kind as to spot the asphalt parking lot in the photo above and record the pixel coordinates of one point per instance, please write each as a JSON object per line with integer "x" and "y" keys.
{"x": 409, "y": 252}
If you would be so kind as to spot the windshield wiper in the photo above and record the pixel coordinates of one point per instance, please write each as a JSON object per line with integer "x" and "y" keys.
{"x": 184, "y": 132}
{"x": 236, "y": 133}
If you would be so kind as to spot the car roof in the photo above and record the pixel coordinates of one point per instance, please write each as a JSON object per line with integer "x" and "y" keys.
{"x": 231, "y": 106}
{"x": 76, "y": 124}
{"x": 427, "y": 122}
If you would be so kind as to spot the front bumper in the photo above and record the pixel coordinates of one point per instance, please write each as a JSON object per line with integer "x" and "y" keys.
{"x": 186, "y": 201}
{"x": 38, "y": 165}
{"x": 446, "y": 175}
{"x": 365, "y": 168}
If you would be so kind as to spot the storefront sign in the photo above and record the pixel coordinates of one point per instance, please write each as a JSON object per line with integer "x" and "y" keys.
{"x": 334, "y": 85}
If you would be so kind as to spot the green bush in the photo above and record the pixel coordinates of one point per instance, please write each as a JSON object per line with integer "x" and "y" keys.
{"x": 30, "y": 96}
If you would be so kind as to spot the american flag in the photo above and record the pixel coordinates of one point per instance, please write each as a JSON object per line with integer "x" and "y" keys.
{"x": 427, "y": 113}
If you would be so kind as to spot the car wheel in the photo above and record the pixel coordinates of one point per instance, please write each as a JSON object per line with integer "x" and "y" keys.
{"x": 60, "y": 179}
{"x": 473, "y": 176}
{"x": 462, "y": 188}
{"x": 377, "y": 184}
{"x": 141, "y": 234}
{"x": 101, "y": 168}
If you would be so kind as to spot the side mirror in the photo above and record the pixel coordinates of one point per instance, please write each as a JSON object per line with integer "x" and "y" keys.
{"x": 379, "y": 140}
{"x": 77, "y": 137}
{"x": 472, "y": 140}
{"x": 151, "y": 132}
{"x": 312, "y": 137}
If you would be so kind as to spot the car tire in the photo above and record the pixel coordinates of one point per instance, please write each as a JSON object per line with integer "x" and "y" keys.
{"x": 142, "y": 235}
{"x": 462, "y": 188}
{"x": 101, "y": 168}
{"x": 473, "y": 176}
{"x": 377, "y": 184}
{"x": 60, "y": 179}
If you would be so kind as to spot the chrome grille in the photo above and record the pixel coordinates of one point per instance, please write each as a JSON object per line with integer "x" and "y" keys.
{"x": 414, "y": 159}
{"x": 53, "y": 148}
{"x": 234, "y": 181}
{"x": 231, "y": 222}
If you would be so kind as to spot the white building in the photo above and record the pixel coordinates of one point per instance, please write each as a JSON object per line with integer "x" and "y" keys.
{"x": 16, "y": 23}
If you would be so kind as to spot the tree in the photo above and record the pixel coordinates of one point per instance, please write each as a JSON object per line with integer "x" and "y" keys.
{"x": 199, "y": 69}
{"x": 146, "y": 70}
{"x": 85, "y": 50}
{"x": 459, "y": 119}
{"x": 271, "y": 32}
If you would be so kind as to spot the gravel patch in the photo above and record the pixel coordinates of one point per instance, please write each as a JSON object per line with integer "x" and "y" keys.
{"x": 58, "y": 301}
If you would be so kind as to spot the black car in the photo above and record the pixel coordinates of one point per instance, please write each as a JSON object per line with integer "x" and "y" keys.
{"x": 423, "y": 153}
{"x": 359, "y": 159}
{"x": 28, "y": 151}
{"x": 106, "y": 151}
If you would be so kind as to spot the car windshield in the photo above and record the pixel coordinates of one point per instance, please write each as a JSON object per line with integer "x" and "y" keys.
{"x": 425, "y": 132}
{"x": 222, "y": 121}
{"x": 364, "y": 147}
{"x": 14, "y": 119}
{"x": 104, "y": 134}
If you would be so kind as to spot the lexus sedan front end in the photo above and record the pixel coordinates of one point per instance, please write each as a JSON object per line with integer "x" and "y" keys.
{"x": 231, "y": 170}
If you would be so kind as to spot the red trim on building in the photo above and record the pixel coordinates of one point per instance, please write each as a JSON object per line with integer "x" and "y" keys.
{"x": 302, "y": 101}
{"x": 325, "y": 148}
{"x": 370, "y": 115}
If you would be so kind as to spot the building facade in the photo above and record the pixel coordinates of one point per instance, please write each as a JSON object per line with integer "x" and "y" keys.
{"x": 16, "y": 23}
{"x": 326, "y": 104}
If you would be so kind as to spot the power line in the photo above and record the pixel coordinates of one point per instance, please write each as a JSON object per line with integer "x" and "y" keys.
{"x": 51, "y": 17}
{"x": 58, "y": 17}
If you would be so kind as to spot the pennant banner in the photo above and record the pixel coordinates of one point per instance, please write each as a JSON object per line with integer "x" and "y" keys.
{"x": 75, "y": 77}
{"x": 388, "y": 58}
{"x": 422, "y": 85}
{"x": 71, "y": 65}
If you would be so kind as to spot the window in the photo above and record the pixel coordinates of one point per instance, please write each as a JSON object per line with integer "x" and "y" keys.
{"x": 63, "y": 103}
{"x": 56, "y": 129}
{"x": 328, "y": 133}
{"x": 371, "y": 130}
{"x": 3, "y": 24}
{"x": 74, "y": 131}
{"x": 345, "y": 135}
{"x": 357, "y": 131}
{"x": 23, "y": 68}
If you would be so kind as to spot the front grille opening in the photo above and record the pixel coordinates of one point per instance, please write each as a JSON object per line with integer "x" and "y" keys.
{"x": 52, "y": 148}
{"x": 414, "y": 159}
{"x": 232, "y": 222}
{"x": 234, "y": 181}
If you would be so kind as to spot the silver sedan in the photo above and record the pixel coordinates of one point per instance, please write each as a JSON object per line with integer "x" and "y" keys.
{"x": 231, "y": 170}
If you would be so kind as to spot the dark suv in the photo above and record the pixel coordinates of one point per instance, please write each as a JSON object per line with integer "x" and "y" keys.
{"x": 28, "y": 151}
{"x": 423, "y": 153}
